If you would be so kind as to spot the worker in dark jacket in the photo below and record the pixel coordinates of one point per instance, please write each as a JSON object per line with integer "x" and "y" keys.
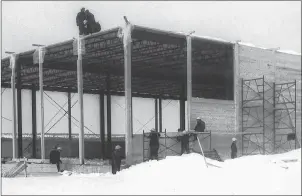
{"x": 55, "y": 157}
{"x": 185, "y": 142}
{"x": 200, "y": 126}
{"x": 154, "y": 144}
{"x": 81, "y": 20}
{"x": 116, "y": 159}
{"x": 234, "y": 149}
{"x": 90, "y": 22}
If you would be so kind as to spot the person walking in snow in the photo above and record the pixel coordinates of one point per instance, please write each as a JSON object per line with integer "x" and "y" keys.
{"x": 234, "y": 149}
{"x": 55, "y": 157}
{"x": 154, "y": 144}
{"x": 81, "y": 22}
{"x": 116, "y": 159}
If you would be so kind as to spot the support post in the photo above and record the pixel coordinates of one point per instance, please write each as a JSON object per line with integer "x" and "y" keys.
{"x": 189, "y": 80}
{"x": 109, "y": 143}
{"x": 156, "y": 114}
{"x": 160, "y": 114}
{"x": 80, "y": 99}
{"x": 182, "y": 108}
{"x": 296, "y": 138}
{"x": 41, "y": 102}
{"x": 236, "y": 85}
{"x": 13, "y": 83}
{"x": 34, "y": 120}
{"x": 263, "y": 117}
{"x": 102, "y": 124}
{"x": 19, "y": 110}
{"x": 242, "y": 142}
{"x": 69, "y": 114}
{"x": 274, "y": 116}
{"x": 128, "y": 92}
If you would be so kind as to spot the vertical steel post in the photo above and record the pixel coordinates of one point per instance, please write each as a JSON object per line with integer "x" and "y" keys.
{"x": 69, "y": 114}
{"x": 156, "y": 115}
{"x": 109, "y": 139}
{"x": 242, "y": 142}
{"x": 263, "y": 117}
{"x": 189, "y": 80}
{"x": 102, "y": 124}
{"x": 19, "y": 110}
{"x": 41, "y": 102}
{"x": 274, "y": 117}
{"x": 296, "y": 138}
{"x": 128, "y": 92}
{"x": 13, "y": 83}
{"x": 160, "y": 116}
{"x": 80, "y": 99}
{"x": 34, "y": 120}
{"x": 236, "y": 84}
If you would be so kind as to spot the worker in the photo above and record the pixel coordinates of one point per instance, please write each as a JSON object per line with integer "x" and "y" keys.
{"x": 185, "y": 142}
{"x": 154, "y": 144}
{"x": 90, "y": 22}
{"x": 234, "y": 148}
{"x": 55, "y": 157}
{"x": 81, "y": 22}
{"x": 116, "y": 159}
{"x": 200, "y": 126}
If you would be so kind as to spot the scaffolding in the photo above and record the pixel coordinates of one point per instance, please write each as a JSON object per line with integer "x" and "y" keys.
{"x": 170, "y": 144}
{"x": 267, "y": 113}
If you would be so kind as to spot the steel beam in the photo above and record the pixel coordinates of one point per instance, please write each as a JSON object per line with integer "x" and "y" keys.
{"x": 102, "y": 125}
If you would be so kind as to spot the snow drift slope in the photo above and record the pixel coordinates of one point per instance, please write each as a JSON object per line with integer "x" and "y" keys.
{"x": 177, "y": 175}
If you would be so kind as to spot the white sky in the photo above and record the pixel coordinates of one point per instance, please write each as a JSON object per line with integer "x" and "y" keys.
{"x": 267, "y": 24}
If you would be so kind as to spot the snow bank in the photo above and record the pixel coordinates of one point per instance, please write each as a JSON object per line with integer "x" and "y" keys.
{"x": 185, "y": 174}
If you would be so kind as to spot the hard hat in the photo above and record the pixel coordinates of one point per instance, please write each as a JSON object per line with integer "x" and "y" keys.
{"x": 198, "y": 118}
{"x": 153, "y": 130}
{"x": 118, "y": 147}
{"x": 234, "y": 139}
{"x": 59, "y": 148}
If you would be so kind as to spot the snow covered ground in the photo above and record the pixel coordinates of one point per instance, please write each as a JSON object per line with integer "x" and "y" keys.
{"x": 177, "y": 175}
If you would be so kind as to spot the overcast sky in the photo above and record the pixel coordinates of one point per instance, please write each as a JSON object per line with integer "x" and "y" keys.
{"x": 267, "y": 24}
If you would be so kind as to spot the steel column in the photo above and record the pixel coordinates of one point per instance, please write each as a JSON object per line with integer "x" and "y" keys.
{"x": 102, "y": 125}
{"x": 156, "y": 114}
{"x": 19, "y": 110}
{"x": 263, "y": 117}
{"x": 69, "y": 114}
{"x": 80, "y": 99}
{"x": 296, "y": 138}
{"x": 160, "y": 116}
{"x": 109, "y": 143}
{"x": 189, "y": 80}
{"x": 128, "y": 95}
{"x": 13, "y": 83}
{"x": 236, "y": 85}
{"x": 34, "y": 120}
{"x": 182, "y": 108}
{"x": 274, "y": 117}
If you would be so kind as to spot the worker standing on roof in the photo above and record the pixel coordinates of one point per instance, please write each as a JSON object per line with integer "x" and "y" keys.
{"x": 154, "y": 144}
{"x": 81, "y": 22}
{"x": 234, "y": 149}
{"x": 90, "y": 22}
{"x": 200, "y": 126}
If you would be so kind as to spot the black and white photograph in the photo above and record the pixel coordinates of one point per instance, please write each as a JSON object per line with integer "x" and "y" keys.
{"x": 151, "y": 97}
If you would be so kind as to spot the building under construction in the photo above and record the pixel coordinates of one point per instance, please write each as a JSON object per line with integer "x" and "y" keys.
{"x": 251, "y": 93}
